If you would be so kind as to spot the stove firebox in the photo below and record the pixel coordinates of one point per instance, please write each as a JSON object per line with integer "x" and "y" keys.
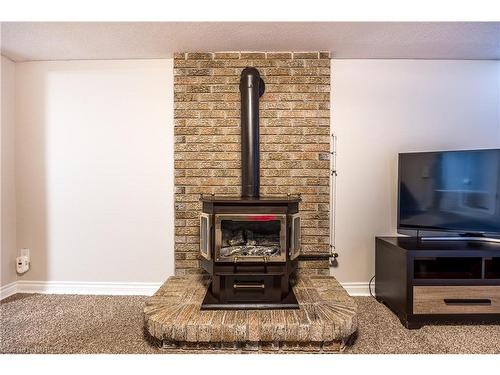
{"x": 249, "y": 244}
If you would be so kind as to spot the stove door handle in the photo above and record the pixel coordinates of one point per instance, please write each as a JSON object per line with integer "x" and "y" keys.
{"x": 249, "y": 286}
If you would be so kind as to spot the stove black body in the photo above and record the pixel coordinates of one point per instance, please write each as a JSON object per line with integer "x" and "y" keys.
{"x": 251, "y": 282}
{"x": 249, "y": 244}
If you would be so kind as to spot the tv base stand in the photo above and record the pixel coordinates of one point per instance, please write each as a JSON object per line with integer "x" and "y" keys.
{"x": 462, "y": 238}
{"x": 429, "y": 281}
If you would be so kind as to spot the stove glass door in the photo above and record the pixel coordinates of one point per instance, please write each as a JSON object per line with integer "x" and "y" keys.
{"x": 250, "y": 238}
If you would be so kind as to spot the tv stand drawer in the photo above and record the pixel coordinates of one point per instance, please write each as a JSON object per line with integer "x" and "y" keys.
{"x": 456, "y": 299}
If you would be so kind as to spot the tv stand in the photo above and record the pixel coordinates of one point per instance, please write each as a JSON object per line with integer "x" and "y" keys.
{"x": 431, "y": 281}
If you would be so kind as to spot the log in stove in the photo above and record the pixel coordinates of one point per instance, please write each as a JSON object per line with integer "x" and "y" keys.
{"x": 249, "y": 244}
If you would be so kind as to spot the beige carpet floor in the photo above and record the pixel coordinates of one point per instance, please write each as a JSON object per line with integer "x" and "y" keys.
{"x": 36, "y": 323}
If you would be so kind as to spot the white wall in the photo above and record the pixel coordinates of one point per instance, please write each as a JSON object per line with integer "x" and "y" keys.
{"x": 382, "y": 107}
{"x": 94, "y": 149}
{"x": 8, "y": 188}
{"x": 94, "y": 154}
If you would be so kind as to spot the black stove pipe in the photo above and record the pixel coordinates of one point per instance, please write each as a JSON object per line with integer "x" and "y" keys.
{"x": 251, "y": 88}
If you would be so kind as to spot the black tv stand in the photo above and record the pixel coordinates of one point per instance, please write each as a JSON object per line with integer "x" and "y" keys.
{"x": 438, "y": 280}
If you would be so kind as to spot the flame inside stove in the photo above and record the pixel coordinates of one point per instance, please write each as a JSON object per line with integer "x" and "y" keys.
{"x": 262, "y": 218}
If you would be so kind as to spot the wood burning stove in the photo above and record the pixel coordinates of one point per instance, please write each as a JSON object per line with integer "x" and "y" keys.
{"x": 249, "y": 244}
{"x": 250, "y": 247}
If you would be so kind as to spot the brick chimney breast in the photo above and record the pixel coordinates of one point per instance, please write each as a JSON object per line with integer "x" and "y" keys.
{"x": 294, "y": 141}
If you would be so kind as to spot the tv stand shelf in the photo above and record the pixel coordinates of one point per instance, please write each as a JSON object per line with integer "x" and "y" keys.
{"x": 432, "y": 281}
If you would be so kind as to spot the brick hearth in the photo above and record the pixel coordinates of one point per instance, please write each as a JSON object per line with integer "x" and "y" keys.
{"x": 325, "y": 321}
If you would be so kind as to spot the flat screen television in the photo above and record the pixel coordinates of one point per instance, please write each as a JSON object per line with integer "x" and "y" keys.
{"x": 450, "y": 191}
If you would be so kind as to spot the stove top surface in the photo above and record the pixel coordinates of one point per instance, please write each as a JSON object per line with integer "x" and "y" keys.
{"x": 249, "y": 200}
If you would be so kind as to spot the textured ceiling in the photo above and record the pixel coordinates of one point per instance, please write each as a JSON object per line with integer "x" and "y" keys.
{"x": 27, "y": 41}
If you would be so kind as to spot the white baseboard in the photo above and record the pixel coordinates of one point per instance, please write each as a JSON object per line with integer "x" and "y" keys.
{"x": 119, "y": 288}
{"x": 358, "y": 289}
{"x": 82, "y": 287}
{"x": 8, "y": 290}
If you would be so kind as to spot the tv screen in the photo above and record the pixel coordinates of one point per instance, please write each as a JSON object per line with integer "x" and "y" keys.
{"x": 456, "y": 191}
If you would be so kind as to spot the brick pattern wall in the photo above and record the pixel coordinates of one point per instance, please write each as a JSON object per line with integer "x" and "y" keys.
{"x": 294, "y": 136}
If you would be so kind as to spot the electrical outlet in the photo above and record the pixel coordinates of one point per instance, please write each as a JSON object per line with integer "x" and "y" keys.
{"x": 22, "y": 264}
{"x": 23, "y": 261}
{"x": 25, "y": 253}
